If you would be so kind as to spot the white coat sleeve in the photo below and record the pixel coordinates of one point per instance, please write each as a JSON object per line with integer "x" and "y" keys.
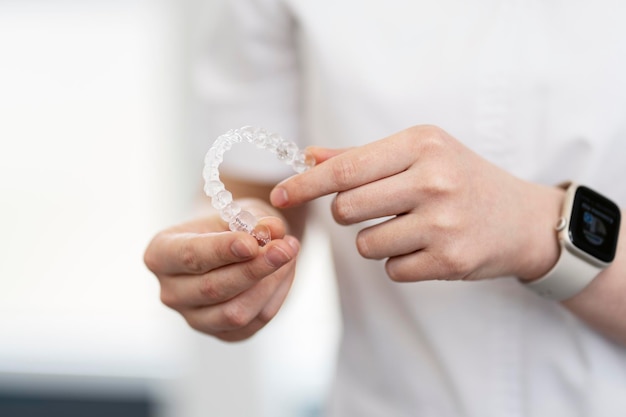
{"x": 246, "y": 73}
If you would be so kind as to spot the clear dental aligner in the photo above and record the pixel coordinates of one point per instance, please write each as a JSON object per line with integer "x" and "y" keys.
{"x": 222, "y": 200}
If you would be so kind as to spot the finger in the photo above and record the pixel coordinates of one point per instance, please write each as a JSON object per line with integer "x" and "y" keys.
{"x": 322, "y": 154}
{"x": 387, "y": 197}
{"x": 397, "y": 236}
{"x": 242, "y": 333}
{"x": 345, "y": 171}
{"x": 229, "y": 281}
{"x": 428, "y": 264}
{"x": 276, "y": 226}
{"x": 240, "y": 312}
{"x": 267, "y": 313}
{"x": 197, "y": 253}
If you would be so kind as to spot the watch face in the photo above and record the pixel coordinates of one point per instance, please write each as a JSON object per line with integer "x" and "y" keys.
{"x": 594, "y": 225}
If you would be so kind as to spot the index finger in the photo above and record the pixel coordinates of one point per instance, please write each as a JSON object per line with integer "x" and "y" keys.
{"x": 197, "y": 253}
{"x": 347, "y": 170}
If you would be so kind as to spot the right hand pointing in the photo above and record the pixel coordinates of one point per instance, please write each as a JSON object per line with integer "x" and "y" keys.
{"x": 222, "y": 282}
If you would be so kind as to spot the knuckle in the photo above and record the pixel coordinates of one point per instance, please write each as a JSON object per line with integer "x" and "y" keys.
{"x": 430, "y": 139}
{"x": 444, "y": 222}
{"x": 249, "y": 271}
{"x": 459, "y": 265}
{"x": 209, "y": 290}
{"x": 450, "y": 227}
{"x": 169, "y": 299}
{"x": 150, "y": 261}
{"x": 363, "y": 245}
{"x": 343, "y": 172}
{"x": 453, "y": 264}
{"x": 436, "y": 186}
{"x": 429, "y": 130}
{"x": 221, "y": 253}
{"x": 195, "y": 323}
{"x": 190, "y": 258}
{"x": 236, "y": 315}
{"x": 266, "y": 315}
{"x": 432, "y": 130}
{"x": 343, "y": 209}
{"x": 393, "y": 272}
{"x": 150, "y": 257}
{"x": 450, "y": 267}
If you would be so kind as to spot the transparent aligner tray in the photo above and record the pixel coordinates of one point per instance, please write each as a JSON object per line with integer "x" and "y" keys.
{"x": 222, "y": 200}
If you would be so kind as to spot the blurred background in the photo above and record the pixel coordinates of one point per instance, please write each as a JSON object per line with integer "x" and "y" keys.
{"x": 96, "y": 106}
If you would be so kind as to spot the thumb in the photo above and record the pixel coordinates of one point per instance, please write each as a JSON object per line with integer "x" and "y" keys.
{"x": 274, "y": 225}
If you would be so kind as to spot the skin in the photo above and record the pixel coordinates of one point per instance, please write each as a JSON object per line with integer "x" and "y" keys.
{"x": 454, "y": 216}
{"x": 223, "y": 283}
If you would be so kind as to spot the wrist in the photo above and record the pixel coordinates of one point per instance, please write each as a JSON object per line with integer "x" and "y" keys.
{"x": 588, "y": 231}
{"x": 540, "y": 247}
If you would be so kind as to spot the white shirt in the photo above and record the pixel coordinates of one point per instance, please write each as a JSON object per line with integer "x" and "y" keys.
{"x": 536, "y": 87}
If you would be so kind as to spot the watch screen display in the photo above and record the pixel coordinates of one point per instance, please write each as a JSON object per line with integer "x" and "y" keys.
{"x": 594, "y": 225}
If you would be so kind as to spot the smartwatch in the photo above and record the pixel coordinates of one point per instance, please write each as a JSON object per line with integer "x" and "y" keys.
{"x": 587, "y": 231}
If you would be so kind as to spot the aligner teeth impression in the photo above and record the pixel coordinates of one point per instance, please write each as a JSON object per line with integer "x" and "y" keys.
{"x": 222, "y": 200}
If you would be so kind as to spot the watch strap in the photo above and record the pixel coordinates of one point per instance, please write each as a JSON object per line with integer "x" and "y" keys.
{"x": 572, "y": 273}
{"x": 567, "y": 278}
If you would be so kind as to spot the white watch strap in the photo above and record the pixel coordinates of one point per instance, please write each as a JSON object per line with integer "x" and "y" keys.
{"x": 567, "y": 278}
{"x": 572, "y": 273}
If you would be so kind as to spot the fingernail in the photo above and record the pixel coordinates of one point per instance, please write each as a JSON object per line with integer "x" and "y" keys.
{"x": 277, "y": 257}
{"x": 241, "y": 249}
{"x": 279, "y": 197}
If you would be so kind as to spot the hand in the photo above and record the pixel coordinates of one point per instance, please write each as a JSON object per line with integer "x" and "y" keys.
{"x": 455, "y": 215}
{"x": 222, "y": 282}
